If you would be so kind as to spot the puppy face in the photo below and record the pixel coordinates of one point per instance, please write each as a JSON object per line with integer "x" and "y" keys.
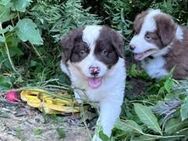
{"x": 154, "y": 30}
{"x": 91, "y": 52}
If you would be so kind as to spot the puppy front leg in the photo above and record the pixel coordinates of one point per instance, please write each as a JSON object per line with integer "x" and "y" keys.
{"x": 109, "y": 113}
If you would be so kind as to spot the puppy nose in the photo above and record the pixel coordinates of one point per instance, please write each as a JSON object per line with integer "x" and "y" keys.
{"x": 132, "y": 47}
{"x": 94, "y": 70}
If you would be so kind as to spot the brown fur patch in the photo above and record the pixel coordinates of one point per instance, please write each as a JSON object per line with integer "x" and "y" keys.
{"x": 139, "y": 21}
{"x": 109, "y": 46}
{"x": 80, "y": 51}
{"x": 68, "y": 43}
{"x": 177, "y": 58}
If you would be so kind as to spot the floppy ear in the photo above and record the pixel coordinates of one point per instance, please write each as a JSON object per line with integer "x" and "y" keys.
{"x": 67, "y": 43}
{"x": 118, "y": 43}
{"x": 166, "y": 28}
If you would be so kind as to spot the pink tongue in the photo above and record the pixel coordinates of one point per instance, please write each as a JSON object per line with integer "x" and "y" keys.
{"x": 94, "y": 82}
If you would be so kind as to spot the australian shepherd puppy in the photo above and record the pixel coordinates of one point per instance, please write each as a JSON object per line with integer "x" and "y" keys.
{"x": 93, "y": 58}
{"x": 160, "y": 44}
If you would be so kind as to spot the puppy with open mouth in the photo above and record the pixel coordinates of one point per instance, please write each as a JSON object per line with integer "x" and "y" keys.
{"x": 93, "y": 58}
{"x": 160, "y": 44}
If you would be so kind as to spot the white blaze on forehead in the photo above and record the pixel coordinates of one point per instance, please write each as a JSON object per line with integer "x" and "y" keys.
{"x": 91, "y": 34}
{"x": 149, "y": 23}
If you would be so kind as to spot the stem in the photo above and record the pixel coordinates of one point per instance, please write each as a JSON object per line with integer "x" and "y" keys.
{"x": 38, "y": 54}
{"x": 18, "y": 15}
{"x": 7, "y": 51}
{"x": 12, "y": 22}
{"x": 163, "y": 137}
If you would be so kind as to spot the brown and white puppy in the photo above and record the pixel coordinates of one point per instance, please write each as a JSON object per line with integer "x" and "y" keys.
{"x": 93, "y": 58}
{"x": 161, "y": 44}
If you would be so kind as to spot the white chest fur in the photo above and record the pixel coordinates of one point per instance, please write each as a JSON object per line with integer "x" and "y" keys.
{"x": 155, "y": 67}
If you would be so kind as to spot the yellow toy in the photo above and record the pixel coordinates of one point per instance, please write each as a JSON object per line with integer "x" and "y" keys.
{"x": 49, "y": 103}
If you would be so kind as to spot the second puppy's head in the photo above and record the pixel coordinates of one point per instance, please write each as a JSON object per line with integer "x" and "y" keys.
{"x": 154, "y": 31}
{"x": 91, "y": 52}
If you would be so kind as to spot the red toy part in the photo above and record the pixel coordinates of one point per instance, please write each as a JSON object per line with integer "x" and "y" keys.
{"x": 12, "y": 96}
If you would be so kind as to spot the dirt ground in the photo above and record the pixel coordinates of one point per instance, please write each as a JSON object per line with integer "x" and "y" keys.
{"x": 19, "y": 122}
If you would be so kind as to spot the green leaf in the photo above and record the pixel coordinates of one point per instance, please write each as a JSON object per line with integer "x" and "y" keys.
{"x": 12, "y": 40}
{"x": 128, "y": 126}
{"x": 21, "y": 5}
{"x": 168, "y": 84}
{"x": 27, "y": 31}
{"x": 16, "y": 51}
{"x": 147, "y": 117}
{"x": 5, "y": 83}
{"x": 2, "y": 39}
{"x": 184, "y": 109}
{"x": 133, "y": 71}
{"x": 175, "y": 124}
{"x": 5, "y": 13}
{"x": 103, "y": 136}
{"x": 4, "y": 2}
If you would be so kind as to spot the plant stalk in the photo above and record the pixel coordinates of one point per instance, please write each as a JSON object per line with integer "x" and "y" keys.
{"x": 7, "y": 51}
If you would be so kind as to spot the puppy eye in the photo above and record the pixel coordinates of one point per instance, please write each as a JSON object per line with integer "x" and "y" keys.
{"x": 105, "y": 52}
{"x": 148, "y": 37}
{"x": 82, "y": 52}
